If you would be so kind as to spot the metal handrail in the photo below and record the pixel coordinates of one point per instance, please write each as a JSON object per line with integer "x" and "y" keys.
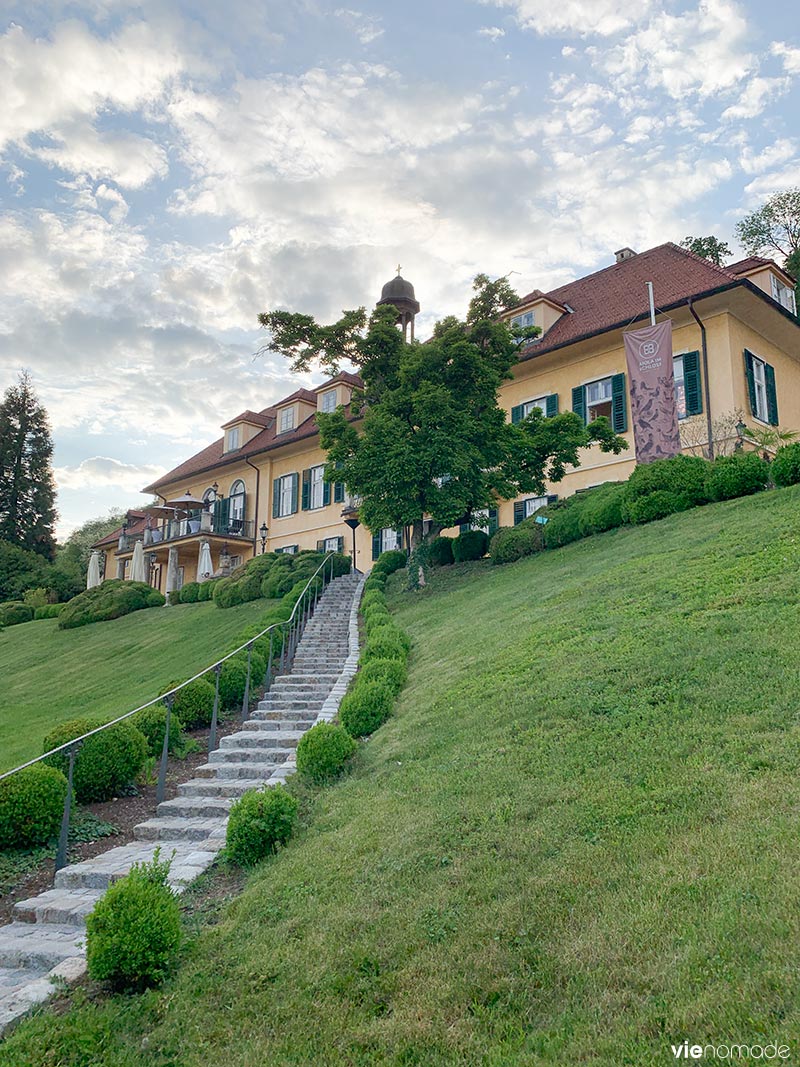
{"x": 71, "y": 747}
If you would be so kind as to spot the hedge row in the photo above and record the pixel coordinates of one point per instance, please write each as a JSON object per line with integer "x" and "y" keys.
{"x": 653, "y": 491}
{"x": 110, "y": 600}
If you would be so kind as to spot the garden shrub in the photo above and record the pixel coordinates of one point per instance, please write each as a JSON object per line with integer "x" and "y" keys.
{"x": 106, "y": 763}
{"x": 440, "y": 552}
{"x": 378, "y": 615}
{"x": 786, "y": 465}
{"x": 389, "y": 562}
{"x": 741, "y": 474}
{"x": 389, "y": 630}
{"x": 258, "y": 668}
{"x": 600, "y": 509}
{"x": 31, "y": 806}
{"x": 194, "y": 703}
{"x": 366, "y": 707}
{"x": 152, "y": 722}
{"x": 654, "y": 506}
{"x": 385, "y": 646}
{"x": 48, "y": 611}
{"x": 206, "y": 590}
{"x": 323, "y": 752}
{"x": 376, "y": 580}
{"x": 511, "y": 543}
{"x": 392, "y": 672}
{"x": 14, "y": 612}
{"x": 174, "y": 597}
{"x": 259, "y": 822}
{"x": 563, "y": 524}
{"x": 134, "y": 932}
{"x": 190, "y": 593}
{"x": 110, "y": 600}
{"x": 232, "y": 680}
{"x": 682, "y": 477}
{"x": 470, "y": 545}
{"x": 374, "y": 596}
{"x": 36, "y": 598}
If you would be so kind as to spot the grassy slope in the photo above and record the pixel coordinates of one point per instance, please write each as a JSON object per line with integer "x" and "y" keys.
{"x": 575, "y": 844}
{"x": 50, "y": 675}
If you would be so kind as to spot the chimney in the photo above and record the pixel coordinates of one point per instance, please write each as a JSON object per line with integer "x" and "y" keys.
{"x": 624, "y": 253}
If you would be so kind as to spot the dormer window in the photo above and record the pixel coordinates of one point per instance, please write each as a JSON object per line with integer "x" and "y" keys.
{"x": 327, "y": 401}
{"x": 523, "y": 320}
{"x": 783, "y": 294}
{"x": 232, "y": 439}
{"x": 286, "y": 422}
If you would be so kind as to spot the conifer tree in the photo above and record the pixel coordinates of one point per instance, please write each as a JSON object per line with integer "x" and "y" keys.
{"x": 27, "y": 490}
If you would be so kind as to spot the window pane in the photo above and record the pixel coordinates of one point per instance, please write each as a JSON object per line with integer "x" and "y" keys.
{"x": 317, "y": 487}
{"x": 533, "y": 504}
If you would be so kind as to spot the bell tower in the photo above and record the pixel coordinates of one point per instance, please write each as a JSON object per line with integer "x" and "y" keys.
{"x": 400, "y": 294}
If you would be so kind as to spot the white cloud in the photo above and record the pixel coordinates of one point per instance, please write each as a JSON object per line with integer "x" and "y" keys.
{"x": 789, "y": 55}
{"x": 104, "y": 471}
{"x": 582, "y": 17}
{"x": 494, "y": 33}
{"x": 773, "y": 155}
{"x": 756, "y": 95}
{"x": 367, "y": 28}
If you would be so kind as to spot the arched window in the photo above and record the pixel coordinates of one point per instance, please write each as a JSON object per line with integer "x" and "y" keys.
{"x": 209, "y": 496}
{"x": 236, "y": 499}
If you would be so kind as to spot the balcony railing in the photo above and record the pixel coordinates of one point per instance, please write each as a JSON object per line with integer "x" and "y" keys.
{"x": 203, "y": 522}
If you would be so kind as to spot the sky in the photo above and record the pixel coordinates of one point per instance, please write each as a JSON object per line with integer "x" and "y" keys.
{"x": 168, "y": 170}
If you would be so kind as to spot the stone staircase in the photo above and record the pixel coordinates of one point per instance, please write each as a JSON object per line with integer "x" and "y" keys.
{"x": 45, "y": 942}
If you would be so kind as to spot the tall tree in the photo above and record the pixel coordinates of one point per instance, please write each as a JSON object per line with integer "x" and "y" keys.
{"x": 433, "y": 442}
{"x": 708, "y": 247}
{"x": 73, "y": 555}
{"x": 27, "y": 491}
{"x": 774, "y": 227}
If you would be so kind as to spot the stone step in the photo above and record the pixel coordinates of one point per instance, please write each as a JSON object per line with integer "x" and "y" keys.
{"x": 60, "y": 906}
{"x": 177, "y": 828}
{"x": 245, "y": 769}
{"x": 222, "y": 788}
{"x": 294, "y": 687}
{"x": 261, "y": 740}
{"x": 291, "y": 705}
{"x": 197, "y": 807}
{"x": 39, "y": 946}
{"x": 271, "y": 719}
{"x": 189, "y": 860}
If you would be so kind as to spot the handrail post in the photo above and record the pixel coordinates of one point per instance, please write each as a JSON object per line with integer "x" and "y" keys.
{"x": 63, "y": 837}
{"x": 268, "y": 675}
{"x": 246, "y": 697}
{"x": 212, "y": 737}
{"x": 169, "y": 699}
{"x": 283, "y": 646}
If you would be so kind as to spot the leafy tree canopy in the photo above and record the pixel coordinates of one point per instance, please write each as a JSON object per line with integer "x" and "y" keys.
{"x": 774, "y": 227}
{"x": 74, "y": 554}
{"x": 708, "y": 247}
{"x": 433, "y": 441}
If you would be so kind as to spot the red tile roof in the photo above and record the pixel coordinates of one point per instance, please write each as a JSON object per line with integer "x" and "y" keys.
{"x": 136, "y": 523}
{"x": 299, "y": 394}
{"x": 617, "y": 295}
{"x": 749, "y": 263}
{"x": 252, "y": 417}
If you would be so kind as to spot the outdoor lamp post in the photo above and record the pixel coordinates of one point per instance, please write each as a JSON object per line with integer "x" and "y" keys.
{"x": 263, "y": 531}
{"x": 350, "y": 517}
{"x": 740, "y": 432}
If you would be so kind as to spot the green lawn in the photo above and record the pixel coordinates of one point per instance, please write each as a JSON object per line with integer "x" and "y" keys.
{"x": 575, "y": 844}
{"x": 50, "y": 675}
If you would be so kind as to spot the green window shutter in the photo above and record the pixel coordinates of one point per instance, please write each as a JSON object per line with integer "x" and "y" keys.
{"x": 338, "y": 492}
{"x": 551, "y": 407}
{"x": 399, "y": 537}
{"x": 340, "y": 544}
{"x": 376, "y": 545}
{"x": 320, "y": 546}
{"x": 691, "y": 382}
{"x": 516, "y": 413}
{"x": 772, "y": 396}
{"x": 221, "y": 511}
{"x": 619, "y": 407}
{"x": 276, "y": 498}
{"x": 552, "y": 498}
{"x": 295, "y": 480}
{"x": 519, "y": 512}
{"x": 463, "y": 527}
{"x": 326, "y": 494}
{"x": 751, "y": 381}
{"x": 306, "y": 501}
{"x": 494, "y": 521}
{"x": 579, "y": 401}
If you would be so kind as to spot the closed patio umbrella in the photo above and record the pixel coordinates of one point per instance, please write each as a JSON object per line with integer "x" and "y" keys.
{"x": 138, "y": 568}
{"x": 205, "y": 568}
{"x": 187, "y": 502}
{"x": 93, "y": 574}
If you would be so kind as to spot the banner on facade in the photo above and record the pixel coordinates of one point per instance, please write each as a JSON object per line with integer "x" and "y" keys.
{"x": 652, "y": 391}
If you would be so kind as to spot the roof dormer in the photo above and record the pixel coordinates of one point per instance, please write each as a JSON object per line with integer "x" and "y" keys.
{"x": 767, "y": 275}
{"x": 294, "y": 410}
{"x": 536, "y": 309}
{"x": 333, "y": 394}
{"x": 242, "y": 429}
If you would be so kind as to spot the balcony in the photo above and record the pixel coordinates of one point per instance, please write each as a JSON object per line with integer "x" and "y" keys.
{"x": 198, "y": 524}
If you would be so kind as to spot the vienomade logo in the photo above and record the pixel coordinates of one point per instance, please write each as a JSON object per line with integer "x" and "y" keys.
{"x": 732, "y": 1053}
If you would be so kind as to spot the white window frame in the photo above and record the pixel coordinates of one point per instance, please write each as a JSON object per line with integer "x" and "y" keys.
{"x": 287, "y": 550}
{"x": 389, "y": 541}
{"x": 680, "y": 386}
{"x": 316, "y": 489}
{"x": 330, "y": 544}
{"x": 232, "y": 439}
{"x": 760, "y": 389}
{"x": 237, "y": 499}
{"x": 328, "y": 401}
{"x": 540, "y": 402}
{"x": 524, "y": 319}
{"x": 605, "y": 399}
{"x": 286, "y": 420}
{"x": 285, "y": 494}
{"x": 783, "y": 294}
{"x": 532, "y": 504}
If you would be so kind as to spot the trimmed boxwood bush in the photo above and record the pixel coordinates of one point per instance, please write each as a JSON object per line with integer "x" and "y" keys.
{"x": 152, "y": 722}
{"x": 389, "y": 630}
{"x": 107, "y": 762}
{"x": 259, "y": 822}
{"x": 366, "y": 707}
{"x": 14, "y": 612}
{"x": 206, "y": 591}
{"x": 682, "y": 477}
{"x": 389, "y": 562}
{"x": 741, "y": 474}
{"x": 323, "y": 752}
{"x": 194, "y": 703}
{"x": 563, "y": 525}
{"x": 786, "y": 465}
{"x": 391, "y": 672}
{"x": 374, "y": 596}
{"x": 511, "y": 543}
{"x": 31, "y": 806}
{"x": 48, "y": 611}
{"x": 654, "y": 506}
{"x": 110, "y": 600}
{"x": 190, "y": 593}
{"x": 470, "y": 545}
{"x": 376, "y": 580}
{"x": 386, "y": 646}
{"x": 376, "y": 618}
{"x": 133, "y": 935}
{"x": 232, "y": 680}
{"x": 600, "y": 509}
{"x": 440, "y": 552}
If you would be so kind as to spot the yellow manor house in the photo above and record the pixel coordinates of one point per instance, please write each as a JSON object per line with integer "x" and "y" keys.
{"x": 736, "y": 354}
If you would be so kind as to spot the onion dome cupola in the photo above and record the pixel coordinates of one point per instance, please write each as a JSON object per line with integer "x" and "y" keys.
{"x": 400, "y": 293}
